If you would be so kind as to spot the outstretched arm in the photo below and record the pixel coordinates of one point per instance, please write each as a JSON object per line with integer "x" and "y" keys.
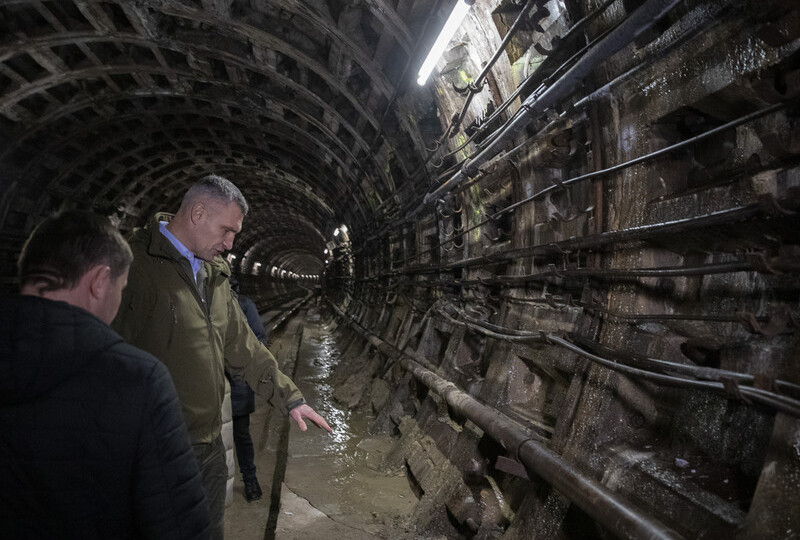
{"x": 244, "y": 353}
{"x": 304, "y": 411}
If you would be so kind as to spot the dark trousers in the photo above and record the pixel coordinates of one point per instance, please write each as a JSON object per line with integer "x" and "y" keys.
{"x": 244, "y": 447}
{"x": 214, "y": 470}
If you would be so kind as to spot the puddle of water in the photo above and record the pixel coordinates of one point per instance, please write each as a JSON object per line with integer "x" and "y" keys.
{"x": 332, "y": 484}
{"x": 338, "y": 473}
{"x": 318, "y": 357}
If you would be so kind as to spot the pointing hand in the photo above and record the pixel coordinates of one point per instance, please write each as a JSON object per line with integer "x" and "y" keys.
{"x": 304, "y": 411}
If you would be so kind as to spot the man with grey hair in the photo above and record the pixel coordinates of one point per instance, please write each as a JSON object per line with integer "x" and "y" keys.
{"x": 92, "y": 441}
{"x": 178, "y": 306}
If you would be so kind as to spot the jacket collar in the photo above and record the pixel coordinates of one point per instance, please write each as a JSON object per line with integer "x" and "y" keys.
{"x": 44, "y": 343}
{"x": 159, "y": 246}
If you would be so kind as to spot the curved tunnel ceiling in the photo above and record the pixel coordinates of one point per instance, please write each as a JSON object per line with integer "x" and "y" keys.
{"x": 121, "y": 105}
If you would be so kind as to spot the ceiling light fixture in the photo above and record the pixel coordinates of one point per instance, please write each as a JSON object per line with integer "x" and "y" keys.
{"x": 453, "y": 22}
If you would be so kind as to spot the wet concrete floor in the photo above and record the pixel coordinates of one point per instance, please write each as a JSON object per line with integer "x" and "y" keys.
{"x": 316, "y": 485}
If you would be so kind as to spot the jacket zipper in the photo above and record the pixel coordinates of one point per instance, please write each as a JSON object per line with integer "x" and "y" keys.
{"x": 206, "y": 308}
{"x": 174, "y": 322}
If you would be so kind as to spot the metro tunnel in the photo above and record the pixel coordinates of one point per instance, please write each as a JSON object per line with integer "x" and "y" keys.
{"x": 549, "y": 291}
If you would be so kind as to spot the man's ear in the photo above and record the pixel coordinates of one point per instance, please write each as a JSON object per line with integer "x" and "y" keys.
{"x": 197, "y": 213}
{"x": 97, "y": 281}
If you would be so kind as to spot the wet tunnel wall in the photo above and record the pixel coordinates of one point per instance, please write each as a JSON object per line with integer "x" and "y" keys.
{"x": 574, "y": 250}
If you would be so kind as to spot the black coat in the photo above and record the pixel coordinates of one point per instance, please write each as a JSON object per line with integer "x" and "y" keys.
{"x": 243, "y": 400}
{"x": 92, "y": 441}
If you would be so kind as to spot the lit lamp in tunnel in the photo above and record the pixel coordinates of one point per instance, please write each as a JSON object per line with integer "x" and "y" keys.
{"x": 453, "y": 22}
{"x": 336, "y": 232}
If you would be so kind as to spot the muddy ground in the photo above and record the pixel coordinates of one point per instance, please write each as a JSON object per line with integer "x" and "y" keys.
{"x": 316, "y": 485}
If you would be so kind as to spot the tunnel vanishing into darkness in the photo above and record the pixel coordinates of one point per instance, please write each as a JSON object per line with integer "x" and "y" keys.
{"x": 570, "y": 260}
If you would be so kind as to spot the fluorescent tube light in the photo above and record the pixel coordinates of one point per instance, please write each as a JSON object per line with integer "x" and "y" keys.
{"x": 453, "y": 22}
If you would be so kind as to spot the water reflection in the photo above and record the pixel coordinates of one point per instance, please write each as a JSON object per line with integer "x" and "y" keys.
{"x": 338, "y": 474}
{"x": 319, "y": 357}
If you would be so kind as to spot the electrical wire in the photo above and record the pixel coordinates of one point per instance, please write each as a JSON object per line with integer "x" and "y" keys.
{"x": 723, "y": 382}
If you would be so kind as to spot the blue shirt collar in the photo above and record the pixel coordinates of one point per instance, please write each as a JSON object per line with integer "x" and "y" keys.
{"x": 183, "y": 250}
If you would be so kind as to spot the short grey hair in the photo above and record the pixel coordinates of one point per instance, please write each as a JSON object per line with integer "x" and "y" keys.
{"x": 217, "y": 188}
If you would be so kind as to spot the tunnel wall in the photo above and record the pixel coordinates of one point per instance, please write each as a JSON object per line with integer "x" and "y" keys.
{"x": 619, "y": 281}
{"x": 592, "y": 233}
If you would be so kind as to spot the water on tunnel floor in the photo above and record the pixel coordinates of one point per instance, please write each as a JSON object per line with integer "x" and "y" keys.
{"x": 332, "y": 484}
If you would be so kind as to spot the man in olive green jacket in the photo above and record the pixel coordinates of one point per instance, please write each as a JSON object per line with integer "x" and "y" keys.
{"x": 178, "y": 307}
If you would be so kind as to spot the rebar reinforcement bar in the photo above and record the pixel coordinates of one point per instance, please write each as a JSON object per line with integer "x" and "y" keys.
{"x": 755, "y": 262}
{"x": 477, "y": 84}
{"x": 594, "y": 241}
{"x": 594, "y": 174}
{"x": 608, "y": 508}
{"x": 777, "y": 401}
{"x": 639, "y": 21}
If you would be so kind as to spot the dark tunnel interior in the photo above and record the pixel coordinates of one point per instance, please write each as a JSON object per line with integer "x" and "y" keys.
{"x": 571, "y": 259}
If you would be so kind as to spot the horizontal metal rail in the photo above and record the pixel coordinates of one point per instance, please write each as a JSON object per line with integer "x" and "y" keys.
{"x": 603, "y": 172}
{"x": 754, "y": 262}
{"x": 760, "y": 396}
{"x": 608, "y": 508}
{"x": 285, "y": 315}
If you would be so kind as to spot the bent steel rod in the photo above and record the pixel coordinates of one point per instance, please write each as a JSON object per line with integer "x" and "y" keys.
{"x": 779, "y": 402}
{"x": 592, "y": 241}
{"x": 770, "y": 265}
{"x": 573, "y": 31}
{"x": 606, "y": 507}
{"x": 596, "y": 174}
{"x": 477, "y": 85}
{"x": 639, "y": 21}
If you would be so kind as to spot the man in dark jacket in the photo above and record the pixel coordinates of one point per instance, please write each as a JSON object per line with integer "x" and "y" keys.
{"x": 243, "y": 402}
{"x": 92, "y": 442}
